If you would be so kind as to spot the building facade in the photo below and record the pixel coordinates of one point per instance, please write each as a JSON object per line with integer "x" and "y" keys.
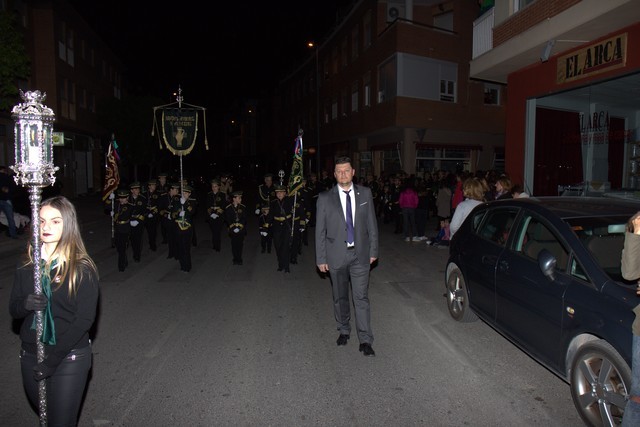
{"x": 573, "y": 73}
{"x": 389, "y": 86}
{"x": 76, "y": 70}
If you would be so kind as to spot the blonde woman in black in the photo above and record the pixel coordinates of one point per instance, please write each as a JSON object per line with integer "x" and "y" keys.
{"x": 69, "y": 299}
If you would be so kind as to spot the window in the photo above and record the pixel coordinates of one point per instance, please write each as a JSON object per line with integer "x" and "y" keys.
{"x": 391, "y": 161}
{"x": 334, "y": 61}
{"x": 355, "y": 43}
{"x": 354, "y": 97}
{"x": 367, "y": 29}
{"x": 497, "y": 226}
{"x": 344, "y": 102}
{"x": 441, "y": 158}
{"x": 537, "y": 236}
{"x": 387, "y": 80}
{"x": 334, "y": 109}
{"x": 491, "y": 94}
{"x": 62, "y": 49}
{"x": 72, "y": 100}
{"x": 443, "y": 21}
{"x": 70, "y": 48}
{"x": 447, "y": 91}
{"x": 366, "y": 88}
{"x": 344, "y": 53}
{"x": 521, "y": 4}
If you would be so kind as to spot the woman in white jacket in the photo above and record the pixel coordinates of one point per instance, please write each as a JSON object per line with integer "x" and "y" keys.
{"x": 473, "y": 192}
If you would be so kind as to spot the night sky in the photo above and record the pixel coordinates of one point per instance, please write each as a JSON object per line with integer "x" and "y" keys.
{"x": 216, "y": 51}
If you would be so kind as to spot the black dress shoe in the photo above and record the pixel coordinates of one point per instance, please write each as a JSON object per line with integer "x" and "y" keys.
{"x": 342, "y": 339}
{"x": 286, "y": 270}
{"x": 367, "y": 350}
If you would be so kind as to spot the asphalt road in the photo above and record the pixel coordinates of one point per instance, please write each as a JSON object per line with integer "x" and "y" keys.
{"x": 246, "y": 345}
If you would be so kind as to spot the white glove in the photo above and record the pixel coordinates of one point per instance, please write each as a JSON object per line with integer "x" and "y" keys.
{"x": 181, "y": 214}
{"x": 112, "y": 214}
{"x": 257, "y": 211}
{"x": 134, "y": 223}
{"x": 306, "y": 221}
{"x": 236, "y": 230}
{"x": 302, "y": 230}
{"x": 169, "y": 216}
{"x": 150, "y": 216}
{"x": 263, "y": 233}
{"x": 112, "y": 195}
{"x": 214, "y": 215}
{"x": 182, "y": 200}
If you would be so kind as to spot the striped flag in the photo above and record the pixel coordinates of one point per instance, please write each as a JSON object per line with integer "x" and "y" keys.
{"x": 295, "y": 179}
{"x": 111, "y": 175}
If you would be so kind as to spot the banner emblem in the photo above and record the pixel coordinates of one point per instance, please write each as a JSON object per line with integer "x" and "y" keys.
{"x": 179, "y": 129}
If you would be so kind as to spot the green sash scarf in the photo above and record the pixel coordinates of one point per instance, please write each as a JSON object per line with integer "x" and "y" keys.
{"x": 48, "y": 327}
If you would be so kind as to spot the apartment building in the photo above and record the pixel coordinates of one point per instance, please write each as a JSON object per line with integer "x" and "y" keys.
{"x": 573, "y": 72}
{"x": 389, "y": 86}
{"x": 76, "y": 70}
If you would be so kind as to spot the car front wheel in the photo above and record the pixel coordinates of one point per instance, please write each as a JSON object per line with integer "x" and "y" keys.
{"x": 458, "y": 298}
{"x": 600, "y": 382}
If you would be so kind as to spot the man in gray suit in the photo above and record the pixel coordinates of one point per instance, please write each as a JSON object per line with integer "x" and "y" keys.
{"x": 346, "y": 246}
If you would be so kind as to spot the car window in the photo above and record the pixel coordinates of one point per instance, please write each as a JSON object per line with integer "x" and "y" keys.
{"x": 604, "y": 238}
{"x": 535, "y": 236}
{"x": 497, "y": 225}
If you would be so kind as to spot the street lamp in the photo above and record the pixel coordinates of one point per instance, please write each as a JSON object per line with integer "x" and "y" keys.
{"x": 314, "y": 47}
{"x": 34, "y": 169}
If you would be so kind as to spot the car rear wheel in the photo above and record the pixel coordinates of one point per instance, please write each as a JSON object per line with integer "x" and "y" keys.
{"x": 600, "y": 382}
{"x": 457, "y": 297}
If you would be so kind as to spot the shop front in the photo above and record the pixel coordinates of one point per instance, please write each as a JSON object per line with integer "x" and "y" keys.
{"x": 573, "y": 122}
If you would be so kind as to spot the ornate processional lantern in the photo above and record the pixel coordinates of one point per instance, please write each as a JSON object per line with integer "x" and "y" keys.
{"x": 34, "y": 169}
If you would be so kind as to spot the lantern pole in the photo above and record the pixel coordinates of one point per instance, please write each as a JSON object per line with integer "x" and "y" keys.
{"x": 34, "y": 169}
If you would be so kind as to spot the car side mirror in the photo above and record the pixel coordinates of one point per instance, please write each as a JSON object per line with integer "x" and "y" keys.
{"x": 547, "y": 263}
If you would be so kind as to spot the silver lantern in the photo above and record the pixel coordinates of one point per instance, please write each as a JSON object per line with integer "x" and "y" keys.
{"x": 34, "y": 169}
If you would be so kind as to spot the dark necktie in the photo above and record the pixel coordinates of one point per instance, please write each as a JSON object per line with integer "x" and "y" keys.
{"x": 350, "y": 237}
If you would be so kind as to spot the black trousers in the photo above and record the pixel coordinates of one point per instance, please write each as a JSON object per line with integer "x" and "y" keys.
{"x": 282, "y": 243}
{"x": 216, "y": 232}
{"x": 172, "y": 240}
{"x": 151, "y": 225}
{"x": 121, "y": 240}
{"x": 265, "y": 242}
{"x": 65, "y": 387}
{"x": 184, "y": 248}
{"x": 237, "y": 241}
{"x": 137, "y": 233}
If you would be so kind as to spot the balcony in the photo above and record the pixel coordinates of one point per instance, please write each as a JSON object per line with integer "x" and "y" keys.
{"x": 483, "y": 33}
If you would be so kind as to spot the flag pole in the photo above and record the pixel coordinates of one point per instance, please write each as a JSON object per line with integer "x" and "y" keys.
{"x": 295, "y": 195}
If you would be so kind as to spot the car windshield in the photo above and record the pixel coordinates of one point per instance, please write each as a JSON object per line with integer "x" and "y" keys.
{"x": 604, "y": 238}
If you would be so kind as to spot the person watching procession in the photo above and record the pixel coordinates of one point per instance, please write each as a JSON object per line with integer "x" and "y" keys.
{"x": 139, "y": 206}
{"x": 630, "y": 266}
{"x": 151, "y": 220}
{"x": 473, "y": 192}
{"x": 280, "y": 218}
{"x": 69, "y": 301}
{"x": 7, "y": 186}
{"x": 226, "y": 185}
{"x": 346, "y": 247}
{"x": 163, "y": 185}
{"x": 122, "y": 226}
{"x": 216, "y": 202}
{"x": 235, "y": 216}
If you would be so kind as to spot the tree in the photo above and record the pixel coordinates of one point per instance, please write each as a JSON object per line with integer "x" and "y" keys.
{"x": 14, "y": 62}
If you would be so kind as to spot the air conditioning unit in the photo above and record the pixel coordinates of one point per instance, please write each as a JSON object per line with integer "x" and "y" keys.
{"x": 395, "y": 10}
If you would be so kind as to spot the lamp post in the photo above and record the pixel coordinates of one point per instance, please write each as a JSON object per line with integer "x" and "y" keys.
{"x": 34, "y": 169}
{"x": 319, "y": 171}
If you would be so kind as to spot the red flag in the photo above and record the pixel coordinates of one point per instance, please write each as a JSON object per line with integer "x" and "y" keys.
{"x": 111, "y": 175}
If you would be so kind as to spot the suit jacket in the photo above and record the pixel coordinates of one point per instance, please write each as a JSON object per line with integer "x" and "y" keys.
{"x": 331, "y": 227}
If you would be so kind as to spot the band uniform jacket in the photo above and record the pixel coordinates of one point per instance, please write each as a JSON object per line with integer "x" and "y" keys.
{"x": 216, "y": 204}
{"x": 236, "y": 217}
{"x": 122, "y": 217}
{"x": 331, "y": 227}
{"x": 266, "y": 195}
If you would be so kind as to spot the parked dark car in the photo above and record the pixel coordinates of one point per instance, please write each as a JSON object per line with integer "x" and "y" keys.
{"x": 545, "y": 273}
